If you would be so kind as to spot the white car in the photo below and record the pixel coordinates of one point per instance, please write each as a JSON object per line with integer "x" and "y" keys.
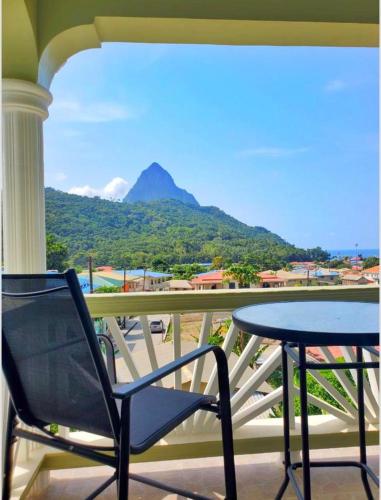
{"x": 156, "y": 326}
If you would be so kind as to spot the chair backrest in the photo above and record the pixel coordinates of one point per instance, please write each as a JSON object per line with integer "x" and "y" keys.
{"x": 51, "y": 356}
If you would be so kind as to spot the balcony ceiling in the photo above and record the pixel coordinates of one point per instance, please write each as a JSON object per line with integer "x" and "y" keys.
{"x": 40, "y": 35}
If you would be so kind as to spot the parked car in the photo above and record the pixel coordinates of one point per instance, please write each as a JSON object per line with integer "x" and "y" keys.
{"x": 156, "y": 326}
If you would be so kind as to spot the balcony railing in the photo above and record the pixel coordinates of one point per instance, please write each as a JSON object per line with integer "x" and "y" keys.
{"x": 253, "y": 433}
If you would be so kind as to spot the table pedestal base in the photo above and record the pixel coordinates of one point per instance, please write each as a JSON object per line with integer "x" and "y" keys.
{"x": 303, "y": 366}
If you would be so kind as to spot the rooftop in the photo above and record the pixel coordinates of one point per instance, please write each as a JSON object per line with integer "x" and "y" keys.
{"x": 374, "y": 269}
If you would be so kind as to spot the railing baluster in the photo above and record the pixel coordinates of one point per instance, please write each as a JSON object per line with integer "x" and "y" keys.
{"x": 344, "y": 380}
{"x": 122, "y": 346}
{"x": 212, "y": 385}
{"x": 177, "y": 348}
{"x": 150, "y": 347}
{"x": 320, "y": 403}
{"x": 199, "y": 364}
{"x": 369, "y": 399}
{"x": 373, "y": 374}
{"x": 332, "y": 391}
{"x": 257, "y": 408}
{"x": 63, "y": 431}
{"x": 239, "y": 368}
{"x": 259, "y": 376}
{"x": 244, "y": 360}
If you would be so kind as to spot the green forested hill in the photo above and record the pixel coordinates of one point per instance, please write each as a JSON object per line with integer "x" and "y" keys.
{"x": 165, "y": 230}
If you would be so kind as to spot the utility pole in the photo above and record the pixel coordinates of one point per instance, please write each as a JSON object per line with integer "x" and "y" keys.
{"x": 90, "y": 266}
{"x": 144, "y": 278}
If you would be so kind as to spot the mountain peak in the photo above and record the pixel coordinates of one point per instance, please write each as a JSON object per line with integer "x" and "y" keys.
{"x": 155, "y": 183}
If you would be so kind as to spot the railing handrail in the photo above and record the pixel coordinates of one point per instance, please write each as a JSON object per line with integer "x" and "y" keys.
{"x": 138, "y": 303}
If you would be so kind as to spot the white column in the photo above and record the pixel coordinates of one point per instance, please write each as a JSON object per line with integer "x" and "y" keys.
{"x": 25, "y": 107}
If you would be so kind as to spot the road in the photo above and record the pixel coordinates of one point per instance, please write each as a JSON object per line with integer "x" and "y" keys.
{"x": 135, "y": 338}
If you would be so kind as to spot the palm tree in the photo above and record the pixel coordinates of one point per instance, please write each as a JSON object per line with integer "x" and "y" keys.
{"x": 245, "y": 274}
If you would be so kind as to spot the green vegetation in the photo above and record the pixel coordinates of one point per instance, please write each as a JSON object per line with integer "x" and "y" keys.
{"x": 313, "y": 387}
{"x": 217, "y": 262}
{"x": 159, "y": 234}
{"x": 186, "y": 271}
{"x": 107, "y": 289}
{"x": 370, "y": 262}
{"x": 56, "y": 253}
{"x": 245, "y": 274}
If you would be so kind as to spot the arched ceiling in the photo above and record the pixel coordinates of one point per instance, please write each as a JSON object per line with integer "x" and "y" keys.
{"x": 40, "y": 35}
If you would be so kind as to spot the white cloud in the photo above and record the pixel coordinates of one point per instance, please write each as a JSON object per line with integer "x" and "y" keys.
{"x": 116, "y": 189}
{"x": 95, "y": 112}
{"x": 271, "y": 152}
{"x": 335, "y": 85}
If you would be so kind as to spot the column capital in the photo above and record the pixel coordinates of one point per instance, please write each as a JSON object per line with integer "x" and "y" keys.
{"x": 25, "y": 96}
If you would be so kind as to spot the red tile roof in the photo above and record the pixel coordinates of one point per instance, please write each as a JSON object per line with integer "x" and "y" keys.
{"x": 335, "y": 351}
{"x": 271, "y": 277}
{"x": 212, "y": 277}
{"x": 372, "y": 270}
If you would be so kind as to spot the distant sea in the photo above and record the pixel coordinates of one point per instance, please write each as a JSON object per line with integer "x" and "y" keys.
{"x": 352, "y": 252}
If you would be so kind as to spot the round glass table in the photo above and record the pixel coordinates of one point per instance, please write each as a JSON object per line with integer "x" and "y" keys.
{"x": 299, "y": 325}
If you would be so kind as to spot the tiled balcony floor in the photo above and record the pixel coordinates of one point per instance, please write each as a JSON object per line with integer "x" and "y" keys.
{"x": 258, "y": 476}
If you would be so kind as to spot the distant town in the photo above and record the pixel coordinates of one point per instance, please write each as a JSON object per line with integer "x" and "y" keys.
{"x": 188, "y": 277}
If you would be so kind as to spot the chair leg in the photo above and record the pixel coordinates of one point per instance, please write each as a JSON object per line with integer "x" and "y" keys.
{"x": 226, "y": 425}
{"x": 228, "y": 450}
{"x": 124, "y": 451}
{"x": 361, "y": 417}
{"x": 8, "y": 453}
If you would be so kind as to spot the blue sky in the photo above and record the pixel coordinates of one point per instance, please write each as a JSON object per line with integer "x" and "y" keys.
{"x": 281, "y": 137}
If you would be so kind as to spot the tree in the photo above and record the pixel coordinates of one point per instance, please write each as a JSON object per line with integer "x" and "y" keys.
{"x": 287, "y": 267}
{"x": 317, "y": 254}
{"x": 245, "y": 274}
{"x": 141, "y": 260}
{"x": 371, "y": 262}
{"x": 56, "y": 253}
{"x": 217, "y": 262}
{"x": 186, "y": 271}
{"x": 159, "y": 264}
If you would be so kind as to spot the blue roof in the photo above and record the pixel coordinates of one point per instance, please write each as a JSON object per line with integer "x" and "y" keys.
{"x": 84, "y": 282}
{"x": 326, "y": 273}
{"x": 140, "y": 273}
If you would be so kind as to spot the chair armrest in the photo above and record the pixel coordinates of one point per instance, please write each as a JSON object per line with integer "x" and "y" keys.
{"x": 110, "y": 356}
{"x": 127, "y": 390}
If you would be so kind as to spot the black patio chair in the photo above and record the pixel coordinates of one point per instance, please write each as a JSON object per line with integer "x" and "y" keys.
{"x": 56, "y": 373}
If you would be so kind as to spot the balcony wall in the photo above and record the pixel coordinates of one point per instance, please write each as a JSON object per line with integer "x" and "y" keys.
{"x": 199, "y": 436}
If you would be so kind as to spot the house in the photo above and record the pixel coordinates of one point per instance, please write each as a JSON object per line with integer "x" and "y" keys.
{"x": 146, "y": 281}
{"x": 356, "y": 279}
{"x": 303, "y": 266}
{"x": 372, "y": 273}
{"x": 269, "y": 279}
{"x": 326, "y": 276}
{"x": 178, "y": 285}
{"x": 213, "y": 280}
{"x": 296, "y": 278}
